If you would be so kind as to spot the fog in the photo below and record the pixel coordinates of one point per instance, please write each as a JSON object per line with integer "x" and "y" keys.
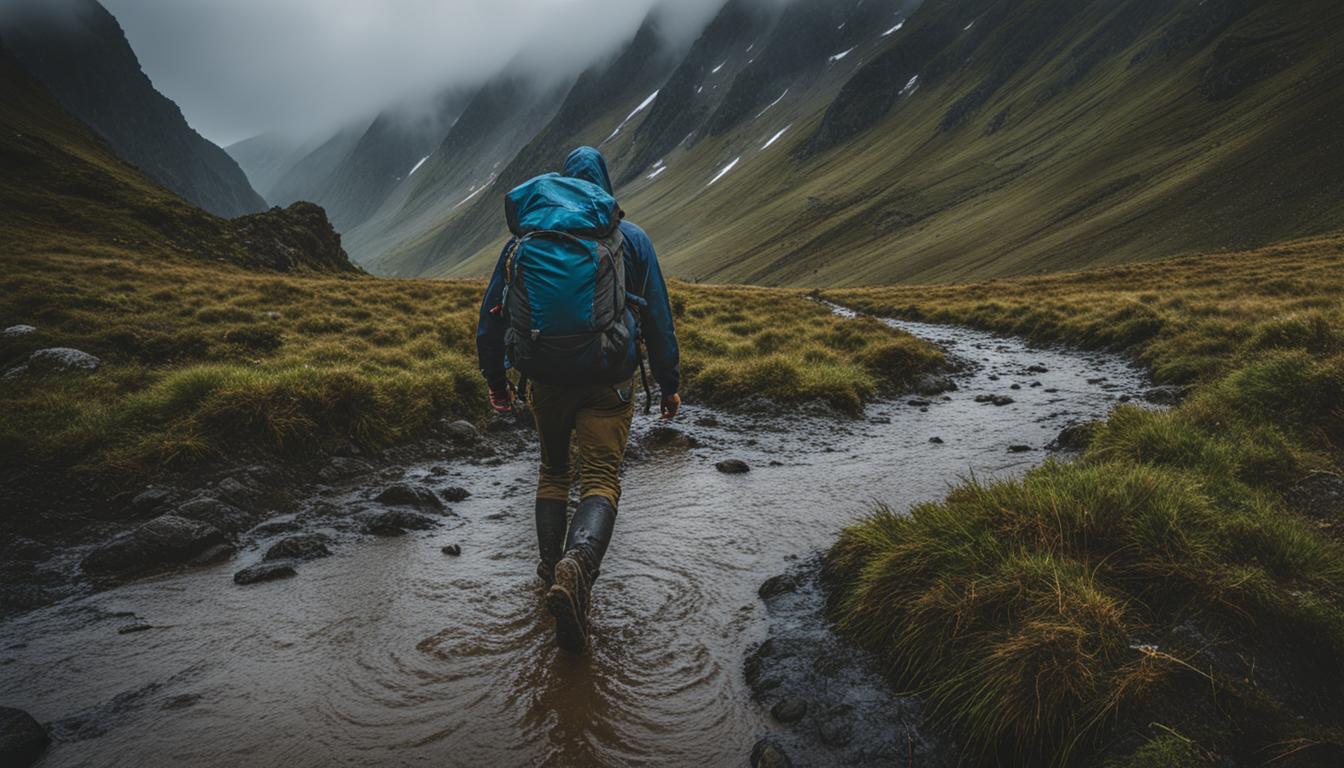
{"x": 242, "y": 67}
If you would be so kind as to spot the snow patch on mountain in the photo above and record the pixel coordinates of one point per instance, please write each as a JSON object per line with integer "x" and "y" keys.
{"x": 417, "y": 166}
{"x": 894, "y": 29}
{"x": 773, "y": 103}
{"x": 776, "y": 137}
{"x": 840, "y": 55}
{"x": 723, "y": 171}
{"x": 643, "y": 105}
{"x": 715, "y": 70}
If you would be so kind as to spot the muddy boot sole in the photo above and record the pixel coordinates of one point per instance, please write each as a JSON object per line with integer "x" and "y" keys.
{"x": 562, "y": 600}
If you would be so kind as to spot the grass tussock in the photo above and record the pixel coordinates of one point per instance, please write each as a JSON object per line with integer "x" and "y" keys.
{"x": 1158, "y": 602}
{"x": 201, "y": 360}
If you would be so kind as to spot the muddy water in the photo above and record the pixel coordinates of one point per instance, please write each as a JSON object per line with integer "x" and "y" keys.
{"x": 392, "y": 653}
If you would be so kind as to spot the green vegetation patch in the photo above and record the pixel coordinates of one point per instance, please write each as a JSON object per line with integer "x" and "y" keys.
{"x": 1158, "y": 602}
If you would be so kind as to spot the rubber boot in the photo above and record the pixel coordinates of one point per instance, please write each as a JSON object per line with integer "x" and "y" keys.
{"x": 550, "y": 536}
{"x": 570, "y": 596}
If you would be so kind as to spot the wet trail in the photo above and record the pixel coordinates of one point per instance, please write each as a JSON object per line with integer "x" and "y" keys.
{"x": 390, "y": 652}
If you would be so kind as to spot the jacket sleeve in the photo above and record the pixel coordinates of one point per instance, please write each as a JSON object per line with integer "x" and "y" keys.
{"x": 660, "y": 333}
{"x": 491, "y": 325}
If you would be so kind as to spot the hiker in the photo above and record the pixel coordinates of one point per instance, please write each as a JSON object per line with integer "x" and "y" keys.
{"x": 576, "y": 293}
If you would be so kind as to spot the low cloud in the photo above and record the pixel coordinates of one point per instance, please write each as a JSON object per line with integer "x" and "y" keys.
{"x": 241, "y": 67}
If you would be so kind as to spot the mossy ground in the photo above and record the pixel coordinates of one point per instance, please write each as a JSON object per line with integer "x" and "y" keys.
{"x": 1158, "y": 602}
{"x": 203, "y": 360}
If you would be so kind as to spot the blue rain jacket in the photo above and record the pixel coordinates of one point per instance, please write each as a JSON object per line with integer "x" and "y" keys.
{"x": 643, "y": 278}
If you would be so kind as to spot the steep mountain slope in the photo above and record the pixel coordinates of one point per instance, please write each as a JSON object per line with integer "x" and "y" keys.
{"x": 267, "y": 157}
{"x": 307, "y": 177}
{"x": 871, "y": 142}
{"x": 598, "y": 107}
{"x": 504, "y": 115}
{"x": 992, "y": 138}
{"x": 64, "y": 191}
{"x": 79, "y": 52}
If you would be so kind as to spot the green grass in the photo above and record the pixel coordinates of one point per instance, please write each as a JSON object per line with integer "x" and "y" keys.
{"x": 1157, "y": 602}
{"x": 202, "y": 361}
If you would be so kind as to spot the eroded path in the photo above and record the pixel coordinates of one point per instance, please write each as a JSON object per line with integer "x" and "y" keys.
{"x": 390, "y": 652}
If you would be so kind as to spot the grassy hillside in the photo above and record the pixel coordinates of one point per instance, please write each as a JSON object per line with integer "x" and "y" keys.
{"x": 1174, "y": 598}
{"x": 982, "y": 138}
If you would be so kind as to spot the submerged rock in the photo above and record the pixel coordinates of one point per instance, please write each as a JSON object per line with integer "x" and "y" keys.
{"x": 767, "y": 754}
{"x": 455, "y": 494}
{"x": 395, "y": 522}
{"x": 22, "y": 739}
{"x": 733, "y": 467}
{"x": 165, "y": 540}
{"x": 307, "y": 546}
{"x": 452, "y": 550}
{"x": 789, "y": 709}
{"x": 1019, "y": 448}
{"x": 264, "y": 572}
{"x": 408, "y": 495}
{"x": 664, "y": 436}
{"x": 999, "y": 400}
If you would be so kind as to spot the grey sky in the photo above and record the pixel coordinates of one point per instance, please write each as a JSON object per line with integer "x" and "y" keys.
{"x": 241, "y": 67}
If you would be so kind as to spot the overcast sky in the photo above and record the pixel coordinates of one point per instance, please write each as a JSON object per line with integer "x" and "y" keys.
{"x": 241, "y": 67}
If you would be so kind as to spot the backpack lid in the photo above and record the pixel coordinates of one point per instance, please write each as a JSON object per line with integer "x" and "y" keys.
{"x": 556, "y": 203}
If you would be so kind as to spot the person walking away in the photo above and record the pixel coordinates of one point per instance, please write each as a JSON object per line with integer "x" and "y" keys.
{"x": 575, "y": 292}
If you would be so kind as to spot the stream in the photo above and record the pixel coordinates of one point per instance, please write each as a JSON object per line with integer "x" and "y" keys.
{"x": 390, "y": 652}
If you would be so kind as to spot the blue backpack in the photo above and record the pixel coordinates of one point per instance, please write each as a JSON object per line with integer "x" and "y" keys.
{"x": 564, "y": 284}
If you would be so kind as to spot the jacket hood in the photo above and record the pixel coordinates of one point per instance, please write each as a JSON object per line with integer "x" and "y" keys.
{"x": 588, "y": 164}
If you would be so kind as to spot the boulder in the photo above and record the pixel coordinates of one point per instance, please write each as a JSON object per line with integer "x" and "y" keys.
{"x": 306, "y": 546}
{"x": 767, "y": 754}
{"x": 999, "y": 400}
{"x": 1073, "y": 438}
{"x": 777, "y": 585}
{"x": 214, "y": 555}
{"x": 235, "y": 491}
{"x": 221, "y": 515}
{"x": 57, "y": 360}
{"x": 341, "y": 468}
{"x": 463, "y": 432}
{"x": 455, "y": 494}
{"x": 15, "y": 331}
{"x": 662, "y": 436}
{"x": 789, "y": 709}
{"x": 1166, "y": 395}
{"x": 264, "y": 572}
{"x": 1019, "y": 448}
{"x": 936, "y": 440}
{"x": 931, "y": 384}
{"x": 452, "y": 550}
{"x": 165, "y": 540}
{"x": 275, "y": 527}
{"x": 395, "y": 522}
{"x": 22, "y": 739}
{"x": 408, "y": 495}
{"x": 733, "y": 467}
{"x": 151, "y": 499}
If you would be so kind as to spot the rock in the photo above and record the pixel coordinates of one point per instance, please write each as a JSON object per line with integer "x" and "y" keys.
{"x": 214, "y": 555}
{"x": 395, "y": 522}
{"x": 264, "y": 572}
{"x": 777, "y": 585}
{"x": 452, "y": 550}
{"x": 15, "y": 331}
{"x": 1166, "y": 395}
{"x": 1015, "y": 386}
{"x": 1320, "y": 496}
{"x": 999, "y": 400}
{"x": 275, "y": 527}
{"x": 57, "y": 360}
{"x": 151, "y": 499}
{"x": 1097, "y": 380}
{"x": 235, "y": 491}
{"x": 165, "y": 540}
{"x": 408, "y": 495}
{"x": 933, "y": 384}
{"x": 463, "y": 432}
{"x": 22, "y": 739}
{"x": 733, "y": 467}
{"x": 131, "y": 629}
{"x": 664, "y": 436}
{"x": 272, "y": 315}
{"x": 936, "y": 440}
{"x": 1038, "y": 368}
{"x": 206, "y": 509}
{"x": 1019, "y": 448}
{"x": 1073, "y": 438}
{"x": 767, "y": 754}
{"x": 455, "y": 494}
{"x": 835, "y": 731}
{"x": 307, "y": 546}
{"x": 342, "y": 467}
{"x": 776, "y": 463}
{"x": 789, "y": 709}
{"x": 879, "y": 420}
